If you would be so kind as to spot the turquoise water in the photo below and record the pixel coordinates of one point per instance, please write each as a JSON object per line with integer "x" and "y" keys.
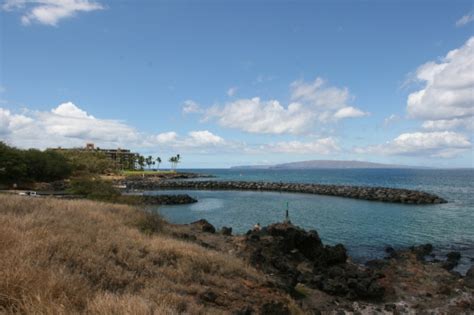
{"x": 364, "y": 227}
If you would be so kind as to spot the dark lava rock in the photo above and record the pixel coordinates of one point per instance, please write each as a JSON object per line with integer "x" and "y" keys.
{"x": 205, "y": 226}
{"x": 274, "y": 308}
{"x": 389, "y": 250}
{"x": 452, "y": 260}
{"x": 168, "y": 199}
{"x": 226, "y": 230}
{"x": 376, "y": 263}
{"x": 469, "y": 278}
{"x": 422, "y": 250}
{"x": 390, "y": 307}
{"x": 294, "y": 255}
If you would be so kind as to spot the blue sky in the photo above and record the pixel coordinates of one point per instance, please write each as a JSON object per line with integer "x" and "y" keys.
{"x": 242, "y": 82}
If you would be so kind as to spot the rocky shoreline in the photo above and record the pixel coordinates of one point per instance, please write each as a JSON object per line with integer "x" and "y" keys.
{"x": 382, "y": 194}
{"x": 180, "y": 199}
{"x": 322, "y": 279}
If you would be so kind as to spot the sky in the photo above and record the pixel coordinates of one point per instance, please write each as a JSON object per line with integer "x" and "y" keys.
{"x": 226, "y": 83}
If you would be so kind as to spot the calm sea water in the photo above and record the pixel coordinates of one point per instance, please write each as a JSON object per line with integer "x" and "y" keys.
{"x": 364, "y": 227}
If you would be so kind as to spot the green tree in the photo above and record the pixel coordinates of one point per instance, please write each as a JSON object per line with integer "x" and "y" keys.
{"x": 141, "y": 161}
{"x": 172, "y": 161}
{"x": 178, "y": 160}
{"x": 149, "y": 161}
{"x": 158, "y": 161}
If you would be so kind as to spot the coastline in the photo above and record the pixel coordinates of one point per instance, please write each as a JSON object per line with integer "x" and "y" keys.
{"x": 277, "y": 269}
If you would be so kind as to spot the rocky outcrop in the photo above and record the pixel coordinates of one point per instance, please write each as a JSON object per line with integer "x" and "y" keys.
{"x": 383, "y": 194}
{"x": 469, "y": 278}
{"x": 296, "y": 256}
{"x": 204, "y": 226}
{"x": 452, "y": 260}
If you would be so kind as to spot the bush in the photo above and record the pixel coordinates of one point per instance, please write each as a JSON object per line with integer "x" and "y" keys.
{"x": 93, "y": 188}
{"x": 88, "y": 162}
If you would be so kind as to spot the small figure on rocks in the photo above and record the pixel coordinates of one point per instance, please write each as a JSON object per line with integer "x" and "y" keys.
{"x": 257, "y": 227}
{"x": 287, "y": 214}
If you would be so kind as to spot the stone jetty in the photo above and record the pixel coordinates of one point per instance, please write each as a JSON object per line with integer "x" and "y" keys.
{"x": 383, "y": 194}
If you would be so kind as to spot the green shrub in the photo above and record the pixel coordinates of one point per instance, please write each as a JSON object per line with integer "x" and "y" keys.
{"x": 93, "y": 188}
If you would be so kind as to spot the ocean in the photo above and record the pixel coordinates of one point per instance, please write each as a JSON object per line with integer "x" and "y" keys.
{"x": 364, "y": 227}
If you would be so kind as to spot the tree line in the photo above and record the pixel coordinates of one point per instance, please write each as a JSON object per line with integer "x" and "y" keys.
{"x": 32, "y": 165}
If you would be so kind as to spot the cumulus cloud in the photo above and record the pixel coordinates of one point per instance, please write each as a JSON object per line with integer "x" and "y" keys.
{"x": 231, "y": 91}
{"x": 257, "y": 116}
{"x": 450, "y": 124}
{"x": 448, "y": 88}
{"x": 443, "y": 144}
{"x": 312, "y": 103}
{"x": 323, "y": 146}
{"x": 50, "y": 12}
{"x": 190, "y": 107}
{"x": 349, "y": 112}
{"x": 466, "y": 19}
{"x": 68, "y": 125}
{"x": 165, "y": 137}
{"x": 205, "y": 137}
{"x": 10, "y": 121}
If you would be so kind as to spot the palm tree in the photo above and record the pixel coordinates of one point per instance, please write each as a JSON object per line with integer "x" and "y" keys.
{"x": 172, "y": 161}
{"x": 158, "y": 161}
{"x": 178, "y": 159}
{"x": 141, "y": 162}
{"x": 149, "y": 161}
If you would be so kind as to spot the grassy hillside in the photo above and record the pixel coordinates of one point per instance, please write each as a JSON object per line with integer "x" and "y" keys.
{"x": 89, "y": 257}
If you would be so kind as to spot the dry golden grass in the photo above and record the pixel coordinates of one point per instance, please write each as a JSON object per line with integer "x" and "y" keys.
{"x": 69, "y": 257}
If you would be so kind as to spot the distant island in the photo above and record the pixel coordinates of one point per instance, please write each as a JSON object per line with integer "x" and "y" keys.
{"x": 325, "y": 164}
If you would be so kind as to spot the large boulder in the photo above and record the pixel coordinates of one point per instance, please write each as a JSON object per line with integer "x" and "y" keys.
{"x": 469, "y": 278}
{"x": 204, "y": 226}
{"x": 294, "y": 256}
{"x": 452, "y": 260}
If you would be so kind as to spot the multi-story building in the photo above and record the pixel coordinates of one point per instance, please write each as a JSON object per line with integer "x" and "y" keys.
{"x": 122, "y": 158}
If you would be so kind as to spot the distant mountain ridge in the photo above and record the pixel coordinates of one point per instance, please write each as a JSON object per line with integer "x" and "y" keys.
{"x": 325, "y": 164}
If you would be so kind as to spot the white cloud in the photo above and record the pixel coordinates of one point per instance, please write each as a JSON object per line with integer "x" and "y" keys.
{"x": 313, "y": 104}
{"x": 50, "y": 12}
{"x": 449, "y": 85}
{"x": 319, "y": 95}
{"x": 256, "y": 116}
{"x": 323, "y": 146}
{"x": 165, "y": 137}
{"x": 349, "y": 112}
{"x": 435, "y": 144}
{"x": 67, "y": 125}
{"x": 10, "y": 122}
{"x": 232, "y": 91}
{"x": 450, "y": 124}
{"x": 466, "y": 19}
{"x": 191, "y": 106}
{"x": 204, "y": 137}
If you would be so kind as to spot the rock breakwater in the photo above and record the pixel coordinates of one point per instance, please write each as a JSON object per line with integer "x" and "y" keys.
{"x": 383, "y": 194}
